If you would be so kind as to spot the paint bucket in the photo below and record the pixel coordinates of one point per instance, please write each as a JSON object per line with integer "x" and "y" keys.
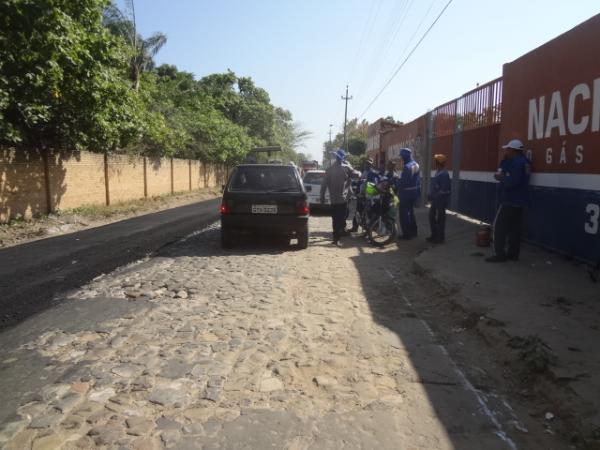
{"x": 483, "y": 237}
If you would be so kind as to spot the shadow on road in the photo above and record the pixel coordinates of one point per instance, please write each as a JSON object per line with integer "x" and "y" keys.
{"x": 392, "y": 292}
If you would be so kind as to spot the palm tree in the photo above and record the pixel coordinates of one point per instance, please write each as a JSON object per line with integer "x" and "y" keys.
{"x": 142, "y": 50}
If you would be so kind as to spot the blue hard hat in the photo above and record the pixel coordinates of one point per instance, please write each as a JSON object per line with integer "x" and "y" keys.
{"x": 340, "y": 154}
{"x": 406, "y": 154}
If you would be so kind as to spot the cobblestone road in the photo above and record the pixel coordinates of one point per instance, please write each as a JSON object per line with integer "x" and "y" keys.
{"x": 251, "y": 348}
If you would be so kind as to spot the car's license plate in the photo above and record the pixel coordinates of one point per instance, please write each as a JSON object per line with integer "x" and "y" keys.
{"x": 264, "y": 209}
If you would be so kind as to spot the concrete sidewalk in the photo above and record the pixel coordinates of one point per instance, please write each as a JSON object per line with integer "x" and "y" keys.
{"x": 543, "y": 295}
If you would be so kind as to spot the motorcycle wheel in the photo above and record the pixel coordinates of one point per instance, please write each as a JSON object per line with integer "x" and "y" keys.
{"x": 382, "y": 231}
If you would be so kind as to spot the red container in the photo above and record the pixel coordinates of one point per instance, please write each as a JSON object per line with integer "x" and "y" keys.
{"x": 483, "y": 237}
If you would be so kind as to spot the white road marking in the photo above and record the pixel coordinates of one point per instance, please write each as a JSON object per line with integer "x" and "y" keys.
{"x": 467, "y": 385}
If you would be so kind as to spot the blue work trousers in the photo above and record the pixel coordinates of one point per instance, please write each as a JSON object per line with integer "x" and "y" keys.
{"x": 408, "y": 223}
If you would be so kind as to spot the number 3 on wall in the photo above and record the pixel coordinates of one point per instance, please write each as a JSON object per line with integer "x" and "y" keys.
{"x": 591, "y": 226}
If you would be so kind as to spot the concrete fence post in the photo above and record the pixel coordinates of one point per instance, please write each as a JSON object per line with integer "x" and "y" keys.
{"x": 427, "y": 156}
{"x": 190, "y": 172}
{"x": 145, "y": 177}
{"x": 172, "y": 178}
{"x": 106, "y": 185}
{"x": 456, "y": 158}
{"x": 49, "y": 208}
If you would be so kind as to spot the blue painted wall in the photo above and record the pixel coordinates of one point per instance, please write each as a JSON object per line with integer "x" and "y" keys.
{"x": 477, "y": 199}
{"x": 556, "y": 218}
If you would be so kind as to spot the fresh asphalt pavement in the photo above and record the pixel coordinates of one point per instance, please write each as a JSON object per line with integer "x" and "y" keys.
{"x": 31, "y": 275}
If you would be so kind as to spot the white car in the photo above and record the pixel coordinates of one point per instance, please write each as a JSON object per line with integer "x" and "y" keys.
{"x": 312, "y": 183}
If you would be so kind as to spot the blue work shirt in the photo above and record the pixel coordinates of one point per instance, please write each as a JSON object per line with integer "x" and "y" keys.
{"x": 408, "y": 186}
{"x": 440, "y": 185}
{"x": 514, "y": 184}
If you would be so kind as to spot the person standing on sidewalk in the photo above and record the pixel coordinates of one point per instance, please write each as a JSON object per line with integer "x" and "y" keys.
{"x": 408, "y": 187}
{"x": 337, "y": 181}
{"x": 513, "y": 177}
{"x": 439, "y": 194}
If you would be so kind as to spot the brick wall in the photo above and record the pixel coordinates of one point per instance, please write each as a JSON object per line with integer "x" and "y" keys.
{"x": 158, "y": 172}
{"x": 181, "y": 175}
{"x": 76, "y": 179}
{"x": 209, "y": 175}
{"x": 22, "y": 184}
{"x": 197, "y": 175}
{"x": 125, "y": 178}
{"x": 34, "y": 182}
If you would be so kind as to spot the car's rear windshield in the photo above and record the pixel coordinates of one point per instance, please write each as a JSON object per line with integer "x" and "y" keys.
{"x": 314, "y": 178}
{"x": 265, "y": 179}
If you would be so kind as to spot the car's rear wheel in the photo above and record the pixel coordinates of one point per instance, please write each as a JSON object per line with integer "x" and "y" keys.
{"x": 303, "y": 238}
{"x": 226, "y": 238}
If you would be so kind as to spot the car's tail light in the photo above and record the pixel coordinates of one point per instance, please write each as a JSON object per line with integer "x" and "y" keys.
{"x": 302, "y": 208}
{"x": 225, "y": 208}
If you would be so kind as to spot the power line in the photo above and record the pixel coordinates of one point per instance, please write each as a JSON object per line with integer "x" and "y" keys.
{"x": 346, "y": 98}
{"x": 398, "y": 28}
{"x": 415, "y": 33}
{"x": 366, "y": 72}
{"x": 406, "y": 59}
{"x": 377, "y": 59}
{"x": 366, "y": 25}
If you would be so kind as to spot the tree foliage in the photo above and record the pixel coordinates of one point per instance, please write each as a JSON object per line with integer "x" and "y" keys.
{"x": 140, "y": 50}
{"x": 357, "y": 139}
{"x": 77, "y": 75}
{"x": 218, "y": 118}
{"x": 62, "y": 78}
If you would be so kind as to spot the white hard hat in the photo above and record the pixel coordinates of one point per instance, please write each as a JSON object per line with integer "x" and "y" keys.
{"x": 515, "y": 144}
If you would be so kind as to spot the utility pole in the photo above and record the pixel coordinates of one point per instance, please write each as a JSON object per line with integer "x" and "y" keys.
{"x": 346, "y": 98}
{"x": 328, "y": 150}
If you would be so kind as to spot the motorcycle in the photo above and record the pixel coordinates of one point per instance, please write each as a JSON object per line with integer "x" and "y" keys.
{"x": 378, "y": 216}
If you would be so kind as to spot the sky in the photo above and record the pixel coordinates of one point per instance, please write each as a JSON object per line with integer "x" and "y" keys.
{"x": 304, "y": 53}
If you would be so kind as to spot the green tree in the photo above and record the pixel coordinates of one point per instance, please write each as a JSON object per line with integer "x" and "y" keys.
{"x": 392, "y": 120}
{"x": 182, "y": 120}
{"x": 357, "y": 138}
{"x": 248, "y": 106}
{"x": 62, "y": 77}
{"x": 141, "y": 51}
{"x": 289, "y": 135}
{"x": 243, "y": 103}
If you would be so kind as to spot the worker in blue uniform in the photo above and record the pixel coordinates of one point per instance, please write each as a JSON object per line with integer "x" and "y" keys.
{"x": 439, "y": 194}
{"x": 513, "y": 176}
{"x": 408, "y": 188}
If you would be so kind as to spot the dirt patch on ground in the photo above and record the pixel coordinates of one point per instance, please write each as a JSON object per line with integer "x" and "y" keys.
{"x": 518, "y": 367}
{"x": 89, "y": 216}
